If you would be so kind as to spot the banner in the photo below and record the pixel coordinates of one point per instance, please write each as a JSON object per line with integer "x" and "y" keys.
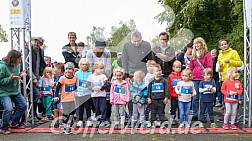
{"x": 20, "y": 12}
{"x": 248, "y": 8}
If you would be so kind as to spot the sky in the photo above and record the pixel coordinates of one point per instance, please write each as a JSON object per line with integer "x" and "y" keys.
{"x": 53, "y": 19}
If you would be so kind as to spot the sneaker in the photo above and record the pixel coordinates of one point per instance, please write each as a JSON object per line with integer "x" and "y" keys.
{"x": 6, "y": 132}
{"x": 194, "y": 118}
{"x": 79, "y": 124}
{"x": 187, "y": 126}
{"x": 218, "y": 105}
{"x": 232, "y": 126}
{"x": 45, "y": 119}
{"x": 181, "y": 125}
{"x": 201, "y": 125}
{"x": 148, "y": 124}
{"x": 221, "y": 119}
{"x": 213, "y": 125}
{"x": 18, "y": 126}
{"x": 225, "y": 126}
{"x": 67, "y": 131}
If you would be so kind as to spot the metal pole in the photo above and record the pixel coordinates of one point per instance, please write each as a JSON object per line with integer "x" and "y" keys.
{"x": 250, "y": 76}
{"x": 11, "y": 38}
{"x": 245, "y": 62}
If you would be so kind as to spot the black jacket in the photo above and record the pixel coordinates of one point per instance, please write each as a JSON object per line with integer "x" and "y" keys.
{"x": 158, "y": 93}
{"x": 70, "y": 55}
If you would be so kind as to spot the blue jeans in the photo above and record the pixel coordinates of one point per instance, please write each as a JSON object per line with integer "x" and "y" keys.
{"x": 195, "y": 103}
{"x": 21, "y": 106}
{"x": 36, "y": 95}
{"x": 184, "y": 108}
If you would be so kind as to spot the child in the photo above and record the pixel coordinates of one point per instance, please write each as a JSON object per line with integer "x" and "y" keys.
{"x": 149, "y": 76}
{"x": 185, "y": 90}
{"x": 138, "y": 90}
{"x": 151, "y": 69}
{"x": 46, "y": 93}
{"x": 59, "y": 70}
{"x": 97, "y": 82}
{"x": 173, "y": 79}
{"x": 231, "y": 88}
{"x": 83, "y": 92}
{"x": 67, "y": 84}
{"x": 158, "y": 96}
{"x": 207, "y": 89}
{"x": 119, "y": 97}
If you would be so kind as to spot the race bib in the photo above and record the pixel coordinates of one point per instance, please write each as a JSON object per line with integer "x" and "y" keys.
{"x": 232, "y": 97}
{"x": 46, "y": 89}
{"x": 119, "y": 90}
{"x": 94, "y": 84}
{"x": 83, "y": 84}
{"x": 69, "y": 88}
{"x": 186, "y": 90}
{"x": 157, "y": 87}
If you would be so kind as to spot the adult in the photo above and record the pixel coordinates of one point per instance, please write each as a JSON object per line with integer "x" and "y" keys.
{"x": 133, "y": 52}
{"x": 70, "y": 51}
{"x": 100, "y": 54}
{"x": 10, "y": 91}
{"x": 185, "y": 56}
{"x": 164, "y": 54}
{"x": 200, "y": 60}
{"x": 38, "y": 66}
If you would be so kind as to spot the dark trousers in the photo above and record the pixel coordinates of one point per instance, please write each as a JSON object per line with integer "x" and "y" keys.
{"x": 100, "y": 105}
{"x": 174, "y": 107}
{"x": 218, "y": 91}
{"x": 130, "y": 107}
{"x": 87, "y": 106}
{"x": 108, "y": 111}
{"x": 157, "y": 107}
{"x": 209, "y": 107}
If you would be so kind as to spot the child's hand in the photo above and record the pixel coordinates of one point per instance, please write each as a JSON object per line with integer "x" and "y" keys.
{"x": 137, "y": 98}
{"x": 210, "y": 87}
{"x": 139, "y": 105}
{"x": 96, "y": 88}
{"x": 165, "y": 100}
{"x": 149, "y": 101}
{"x": 179, "y": 94}
{"x": 14, "y": 77}
{"x": 192, "y": 95}
{"x": 55, "y": 99}
{"x": 112, "y": 103}
{"x": 23, "y": 74}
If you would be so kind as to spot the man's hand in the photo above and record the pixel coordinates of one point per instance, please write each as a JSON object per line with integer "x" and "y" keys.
{"x": 160, "y": 56}
{"x": 227, "y": 61}
{"x": 35, "y": 81}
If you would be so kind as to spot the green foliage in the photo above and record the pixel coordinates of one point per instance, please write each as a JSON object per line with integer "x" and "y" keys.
{"x": 210, "y": 19}
{"x": 96, "y": 33}
{"x": 3, "y": 35}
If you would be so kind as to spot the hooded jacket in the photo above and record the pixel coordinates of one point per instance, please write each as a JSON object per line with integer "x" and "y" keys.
{"x": 234, "y": 61}
{"x": 8, "y": 86}
{"x": 139, "y": 90}
{"x": 119, "y": 94}
{"x": 174, "y": 78}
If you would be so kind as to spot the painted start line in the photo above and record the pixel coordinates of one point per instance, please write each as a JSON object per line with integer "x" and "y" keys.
{"x": 133, "y": 131}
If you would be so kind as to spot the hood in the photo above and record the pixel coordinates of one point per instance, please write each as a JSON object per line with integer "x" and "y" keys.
{"x": 226, "y": 51}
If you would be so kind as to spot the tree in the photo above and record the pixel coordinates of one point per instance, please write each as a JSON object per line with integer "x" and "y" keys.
{"x": 3, "y": 35}
{"x": 96, "y": 33}
{"x": 210, "y": 19}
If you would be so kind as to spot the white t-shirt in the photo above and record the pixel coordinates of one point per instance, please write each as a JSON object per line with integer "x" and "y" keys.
{"x": 97, "y": 80}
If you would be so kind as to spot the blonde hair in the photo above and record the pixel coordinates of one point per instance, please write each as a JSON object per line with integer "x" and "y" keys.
{"x": 97, "y": 65}
{"x": 230, "y": 71}
{"x": 176, "y": 63}
{"x": 47, "y": 69}
{"x": 188, "y": 71}
{"x": 140, "y": 75}
{"x": 201, "y": 52}
{"x": 118, "y": 70}
{"x": 150, "y": 63}
{"x": 208, "y": 71}
{"x": 82, "y": 60}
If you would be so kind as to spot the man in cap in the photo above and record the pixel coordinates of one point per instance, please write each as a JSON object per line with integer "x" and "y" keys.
{"x": 100, "y": 54}
{"x": 38, "y": 66}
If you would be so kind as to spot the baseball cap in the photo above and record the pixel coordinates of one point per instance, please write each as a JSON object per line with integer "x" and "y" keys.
{"x": 40, "y": 39}
{"x": 100, "y": 43}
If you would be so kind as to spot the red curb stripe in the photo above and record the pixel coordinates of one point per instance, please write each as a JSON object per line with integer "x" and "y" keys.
{"x": 221, "y": 130}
